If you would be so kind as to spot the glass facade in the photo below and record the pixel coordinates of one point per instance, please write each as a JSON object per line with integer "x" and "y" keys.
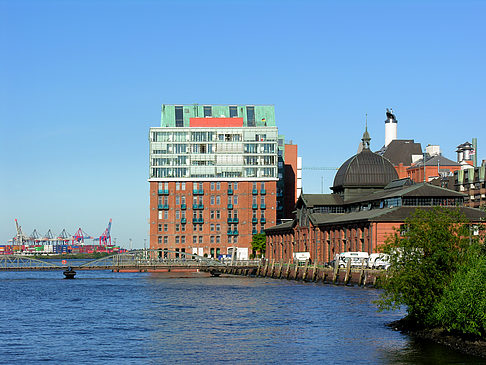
{"x": 214, "y": 152}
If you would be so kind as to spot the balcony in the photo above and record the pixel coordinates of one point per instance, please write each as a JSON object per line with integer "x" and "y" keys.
{"x": 254, "y": 220}
{"x": 163, "y": 191}
{"x": 163, "y": 206}
{"x": 233, "y": 220}
{"x": 230, "y": 206}
{"x": 254, "y": 231}
{"x": 183, "y": 206}
{"x": 263, "y": 192}
{"x": 197, "y": 220}
{"x": 198, "y": 192}
{"x": 198, "y": 206}
{"x": 263, "y": 220}
{"x": 232, "y": 233}
{"x": 263, "y": 206}
{"x": 255, "y": 192}
{"x": 183, "y": 220}
{"x": 230, "y": 191}
{"x": 254, "y": 206}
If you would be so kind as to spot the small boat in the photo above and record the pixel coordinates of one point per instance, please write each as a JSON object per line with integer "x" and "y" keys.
{"x": 69, "y": 273}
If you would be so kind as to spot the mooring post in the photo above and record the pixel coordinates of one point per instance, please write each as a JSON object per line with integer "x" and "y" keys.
{"x": 336, "y": 269}
{"x": 361, "y": 274}
{"x": 347, "y": 277}
{"x": 287, "y": 271}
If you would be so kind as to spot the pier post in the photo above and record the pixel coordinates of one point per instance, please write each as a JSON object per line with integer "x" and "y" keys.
{"x": 347, "y": 277}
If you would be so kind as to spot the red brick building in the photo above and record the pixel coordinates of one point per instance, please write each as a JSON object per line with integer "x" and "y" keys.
{"x": 367, "y": 205}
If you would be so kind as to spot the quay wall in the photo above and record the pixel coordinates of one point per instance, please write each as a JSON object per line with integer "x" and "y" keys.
{"x": 310, "y": 273}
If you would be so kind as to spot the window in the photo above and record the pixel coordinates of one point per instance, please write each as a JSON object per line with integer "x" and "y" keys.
{"x": 250, "y": 116}
{"x": 235, "y": 239}
{"x": 178, "y": 186}
{"x": 218, "y": 214}
{"x": 183, "y": 186}
{"x": 212, "y": 226}
{"x": 200, "y": 227}
{"x": 262, "y": 186}
{"x": 218, "y": 199}
{"x": 233, "y": 111}
{"x": 166, "y": 214}
{"x": 177, "y": 240}
{"x": 166, "y": 227}
{"x": 218, "y": 185}
{"x": 194, "y": 239}
{"x": 218, "y": 227}
{"x": 178, "y": 199}
{"x": 160, "y": 214}
{"x": 177, "y": 227}
{"x": 183, "y": 239}
{"x": 212, "y": 186}
{"x": 183, "y": 227}
{"x": 160, "y": 227}
{"x": 262, "y": 200}
{"x": 212, "y": 239}
{"x": 235, "y": 200}
{"x": 212, "y": 199}
{"x": 178, "y": 214}
{"x": 159, "y": 239}
{"x": 179, "y": 116}
{"x": 212, "y": 214}
{"x": 166, "y": 240}
{"x": 254, "y": 185}
{"x": 236, "y": 186}
{"x": 207, "y": 111}
{"x": 218, "y": 239}
{"x": 255, "y": 200}
{"x": 183, "y": 200}
{"x": 200, "y": 239}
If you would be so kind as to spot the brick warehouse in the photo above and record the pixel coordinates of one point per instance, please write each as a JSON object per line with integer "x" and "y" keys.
{"x": 368, "y": 202}
{"x": 216, "y": 178}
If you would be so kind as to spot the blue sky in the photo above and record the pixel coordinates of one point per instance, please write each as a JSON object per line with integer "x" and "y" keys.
{"x": 82, "y": 82}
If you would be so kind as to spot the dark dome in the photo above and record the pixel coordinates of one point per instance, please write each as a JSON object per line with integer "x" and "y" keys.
{"x": 367, "y": 170}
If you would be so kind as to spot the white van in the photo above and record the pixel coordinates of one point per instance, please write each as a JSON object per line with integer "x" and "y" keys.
{"x": 379, "y": 261}
{"x": 356, "y": 258}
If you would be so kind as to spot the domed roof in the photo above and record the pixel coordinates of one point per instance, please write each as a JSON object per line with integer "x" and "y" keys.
{"x": 365, "y": 169}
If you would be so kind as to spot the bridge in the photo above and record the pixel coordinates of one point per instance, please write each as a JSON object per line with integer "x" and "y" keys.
{"x": 135, "y": 261}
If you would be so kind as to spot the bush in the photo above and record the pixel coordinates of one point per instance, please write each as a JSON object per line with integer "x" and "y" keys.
{"x": 463, "y": 303}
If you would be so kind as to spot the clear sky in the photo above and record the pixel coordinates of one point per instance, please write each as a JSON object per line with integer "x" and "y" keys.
{"x": 81, "y": 83}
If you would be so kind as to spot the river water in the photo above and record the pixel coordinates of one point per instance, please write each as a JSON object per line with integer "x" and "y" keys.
{"x": 145, "y": 318}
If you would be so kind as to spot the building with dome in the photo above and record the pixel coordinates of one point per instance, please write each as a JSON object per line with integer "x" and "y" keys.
{"x": 367, "y": 204}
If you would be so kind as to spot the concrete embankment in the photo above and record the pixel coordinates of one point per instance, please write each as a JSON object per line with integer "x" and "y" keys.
{"x": 310, "y": 273}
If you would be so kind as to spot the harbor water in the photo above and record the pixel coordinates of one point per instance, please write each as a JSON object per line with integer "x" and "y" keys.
{"x": 145, "y": 318}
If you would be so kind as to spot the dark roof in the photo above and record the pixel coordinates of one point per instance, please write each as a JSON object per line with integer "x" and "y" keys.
{"x": 401, "y": 150}
{"x": 436, "y": 160}
{"x": 416, "y": 190}
{"x": 281, "y": 227}
{"x": 396, "y": 214}
{"x": 313, "y": 200}
{"x": 365, "y": 169}
{"x": 400, "y": 183}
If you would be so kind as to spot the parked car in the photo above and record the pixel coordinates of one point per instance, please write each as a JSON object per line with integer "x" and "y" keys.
{"x": 379, "y": 261}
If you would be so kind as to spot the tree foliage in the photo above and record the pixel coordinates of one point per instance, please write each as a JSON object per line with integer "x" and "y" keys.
{"x": 463, "y": 304}
{"x": 259, "y": 242}
{"x": 425, "y": 254}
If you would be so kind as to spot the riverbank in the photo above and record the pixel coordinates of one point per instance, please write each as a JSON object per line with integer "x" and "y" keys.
{"x": 470, "y": 345}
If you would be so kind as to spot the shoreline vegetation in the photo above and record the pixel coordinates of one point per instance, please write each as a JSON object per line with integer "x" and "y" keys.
{"x": 437, "y": 272}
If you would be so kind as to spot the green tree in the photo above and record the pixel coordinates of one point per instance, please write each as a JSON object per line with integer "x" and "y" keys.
{"x": 259, "y": 243}
{"x": 462, "y": 307}
{"x": 425, "y": 254}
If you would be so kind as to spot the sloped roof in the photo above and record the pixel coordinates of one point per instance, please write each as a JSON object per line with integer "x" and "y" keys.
{"x": 401, "y": 151}
{"x": 439, "y": 160}
{"x": 281, "y": 227}
{"x": 416, "y": 190}
{"x": 396, "y": 214}
{"x": 313, "y": 200}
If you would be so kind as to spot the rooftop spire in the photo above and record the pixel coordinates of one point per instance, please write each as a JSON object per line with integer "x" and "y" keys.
{"x": 366, "y": 136}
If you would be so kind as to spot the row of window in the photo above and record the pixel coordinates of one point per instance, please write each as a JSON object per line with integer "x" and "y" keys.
{"x": 195, "y": 239}
{"x": 164, "y": 186}
{"x": 214, "y": 200}
{"x": 208, "y": 112}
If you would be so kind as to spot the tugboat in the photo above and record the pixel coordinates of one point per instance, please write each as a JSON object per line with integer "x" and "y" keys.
{"x": 69, "y": 273}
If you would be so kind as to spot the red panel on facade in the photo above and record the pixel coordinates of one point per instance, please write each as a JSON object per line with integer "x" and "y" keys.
{"x": 216, "y": 122}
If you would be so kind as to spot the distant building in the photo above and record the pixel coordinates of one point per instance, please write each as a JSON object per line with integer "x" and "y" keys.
{"x": 214, "y": 173}
{"x": 471, "y": 181}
